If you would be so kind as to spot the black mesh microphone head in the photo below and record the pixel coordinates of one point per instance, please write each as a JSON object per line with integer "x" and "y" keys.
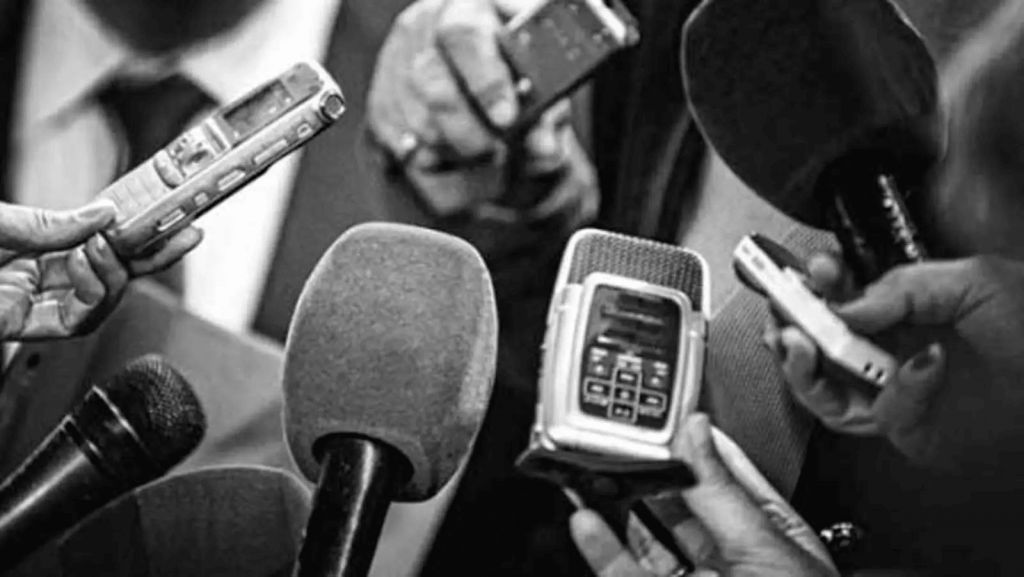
{"x": 160, "y": 407}
{"x": 394, "y": 338}
{"x": 786, "y": 90}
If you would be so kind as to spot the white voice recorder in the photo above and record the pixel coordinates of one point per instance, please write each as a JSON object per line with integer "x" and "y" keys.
{"x": 768, "y": 268}
{"x": 623, "y": 355}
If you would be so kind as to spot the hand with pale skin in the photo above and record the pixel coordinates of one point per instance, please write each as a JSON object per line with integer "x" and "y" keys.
{"x": 441, "y": 98}
{"x": 735, "y": 525}
{"x": 958, "y": 328}
{"x": 59, "y": 277}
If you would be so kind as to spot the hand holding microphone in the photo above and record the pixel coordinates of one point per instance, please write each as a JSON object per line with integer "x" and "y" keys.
{"x": 58, "y": 276}
{"x": 736, "y": 524}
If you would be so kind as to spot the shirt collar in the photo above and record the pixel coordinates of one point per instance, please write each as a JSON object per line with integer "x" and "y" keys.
{"x": 62, "y": 75}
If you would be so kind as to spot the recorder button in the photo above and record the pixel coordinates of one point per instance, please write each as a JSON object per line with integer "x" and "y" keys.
{"x": 597, "y": 388}
{"x": 230, "y": 179}
{"x": 625, "y": 395}
{"x": 623, "y": 412}
{"x": 270, "y": 152}
{"x": 652, "y": 400}
{"x": 201, "y": 199}
{"x": 170, "y": 220}
{"x": 627, "y": 378}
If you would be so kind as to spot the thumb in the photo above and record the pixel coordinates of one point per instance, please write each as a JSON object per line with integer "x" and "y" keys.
{"x": 903, "y": 405}
{"x": 29, "y": 229}
{"x": 732, "y": 518}
{"x": 924, "y": 294}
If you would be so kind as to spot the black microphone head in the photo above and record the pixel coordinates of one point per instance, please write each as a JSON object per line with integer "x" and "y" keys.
{"x": 394, "y": 338}
{"x": 161, "y": 408}
{"x": 786, "y": 90}
{"x": 216, "y": 521}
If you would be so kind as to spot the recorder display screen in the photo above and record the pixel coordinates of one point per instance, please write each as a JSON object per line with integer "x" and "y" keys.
{"x": 630, "y": 357}
{"x": 256, "y": 111}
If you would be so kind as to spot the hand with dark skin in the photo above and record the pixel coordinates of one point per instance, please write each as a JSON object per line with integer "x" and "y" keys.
{"x": 59, "y": 277}
{"x": 958, "y": 328}
{"x": 738, "y": 525}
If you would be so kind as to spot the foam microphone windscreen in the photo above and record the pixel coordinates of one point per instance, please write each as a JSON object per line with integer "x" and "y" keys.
{"x": 394, "y": 338}
{"x": 782, "y": 90}
{"x": 213, "y": 522}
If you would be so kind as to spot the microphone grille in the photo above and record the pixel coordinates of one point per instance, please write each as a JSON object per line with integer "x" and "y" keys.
{"x": 161, "y": 407}
{"x": 650, "y": 261}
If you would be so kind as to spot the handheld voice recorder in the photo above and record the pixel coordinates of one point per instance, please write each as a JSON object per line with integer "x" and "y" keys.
{"x": 557, "y": 45}
{"x": 218, "y": 156}
{"x": 623, "y": 355}
{"x": 770, "y": 269}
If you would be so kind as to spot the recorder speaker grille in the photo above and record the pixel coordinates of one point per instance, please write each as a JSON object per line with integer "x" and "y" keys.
{"x": 654, "y": 262}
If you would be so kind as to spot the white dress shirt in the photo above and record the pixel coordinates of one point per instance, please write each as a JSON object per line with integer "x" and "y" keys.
{"x": 64, "y": 152}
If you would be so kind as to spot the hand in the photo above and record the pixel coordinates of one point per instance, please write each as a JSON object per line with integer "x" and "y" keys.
{"x": 47, "y": 291}
{"x": 740, "y": 525}
{"x": 441, "y": 96}
{"x": 957, "y": 401}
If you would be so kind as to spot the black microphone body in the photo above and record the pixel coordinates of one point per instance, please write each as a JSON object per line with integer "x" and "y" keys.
{"x": 827, "y": 109}
{"x": 389, "y": 364}
{"x": 358, "y": 478}
{"x": 93, "y": 456}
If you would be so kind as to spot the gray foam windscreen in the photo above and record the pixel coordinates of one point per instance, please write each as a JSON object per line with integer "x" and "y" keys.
{"x": 394, "y": 338}
{"x": 654, "y": 262}
{"x": 214, "y": 522}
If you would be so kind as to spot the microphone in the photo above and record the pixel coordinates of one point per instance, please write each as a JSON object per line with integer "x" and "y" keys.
{"x": 217, "y": 521}
{"x": 826, "y": 109}
{"x": 389, "y": 364}
{"x": 124, "y": 433}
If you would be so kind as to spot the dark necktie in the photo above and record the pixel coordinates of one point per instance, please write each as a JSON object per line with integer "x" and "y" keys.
{"x": 148, "y": 114}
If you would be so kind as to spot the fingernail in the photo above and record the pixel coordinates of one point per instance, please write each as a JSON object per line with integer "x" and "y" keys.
{"x": 98, "y": 210}
{"x": 102, "y": 246}
{"x": 502, "y": 113}
{"x": 926, "y": 358}
{"x": 697, "y": 433}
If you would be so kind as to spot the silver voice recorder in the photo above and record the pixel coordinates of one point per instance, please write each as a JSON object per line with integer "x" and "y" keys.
{"x": 623, "y": 355}
{"x": 218, "y": 156}
{"x": 770, "y": 269}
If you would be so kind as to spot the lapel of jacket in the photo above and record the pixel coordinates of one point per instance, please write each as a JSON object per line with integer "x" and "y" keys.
{"x": 13, "y": 14}
{"x": 334, "y": 188}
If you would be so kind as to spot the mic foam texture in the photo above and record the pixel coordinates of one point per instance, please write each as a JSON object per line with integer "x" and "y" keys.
{"x": 161, "y": 407}
{"x": 394, "y": 338}
{"x": 642, "y": 259}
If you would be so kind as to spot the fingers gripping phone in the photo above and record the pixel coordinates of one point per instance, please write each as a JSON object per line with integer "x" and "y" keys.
{"x": 218, "y": 156}
{"x": 557, "y": 45}
{"x": 771, "y": 270}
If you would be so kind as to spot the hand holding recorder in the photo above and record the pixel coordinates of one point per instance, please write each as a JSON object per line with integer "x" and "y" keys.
{"x": 57, "y": 276}
{"x": 955, "y": 400}
{"x": 466, "y": 92}
{"x": 738, "y": 525}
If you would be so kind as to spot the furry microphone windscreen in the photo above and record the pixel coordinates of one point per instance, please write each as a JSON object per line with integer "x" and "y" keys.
{"x": 394, "y": 338}
{"x": 214, "y": 522}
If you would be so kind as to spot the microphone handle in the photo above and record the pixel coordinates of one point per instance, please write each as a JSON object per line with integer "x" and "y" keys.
{"x": 868, "y": 213}
{"x": 358, "y": 479}
{"x": 54, "y": 489}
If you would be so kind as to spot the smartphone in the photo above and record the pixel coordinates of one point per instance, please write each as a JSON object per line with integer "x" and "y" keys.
{"x": 218, "y": 156}
{"x": 768, "y": 268}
